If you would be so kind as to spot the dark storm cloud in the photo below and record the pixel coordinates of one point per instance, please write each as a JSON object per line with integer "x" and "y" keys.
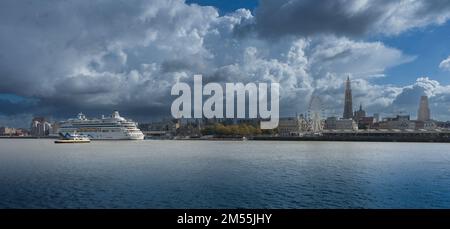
{"x": 9, "y": 107}
{"x": 276, "y": 18}
{"x": 307, "y": 17}
{"x": 405, "y": 98}
{"x": 433, "y": 6}
{"x": 180, "y": 65}
{"x": 39, "y": 40}
{"x": 86, "y": 85}
{"x": 98, "y": 55}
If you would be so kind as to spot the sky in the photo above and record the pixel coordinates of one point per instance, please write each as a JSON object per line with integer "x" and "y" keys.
{"x": 59, "y": 58}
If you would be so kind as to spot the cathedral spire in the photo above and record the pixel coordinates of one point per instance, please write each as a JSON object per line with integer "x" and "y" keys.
{"x": 348, "y": 85}
{"x": 348, "y": 110}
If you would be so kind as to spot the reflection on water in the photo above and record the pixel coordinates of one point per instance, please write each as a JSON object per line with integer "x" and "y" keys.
{"x": 214, "y": 174}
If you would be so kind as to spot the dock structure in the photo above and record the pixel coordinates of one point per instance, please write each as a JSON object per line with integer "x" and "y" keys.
{"x": 370, "y": 136}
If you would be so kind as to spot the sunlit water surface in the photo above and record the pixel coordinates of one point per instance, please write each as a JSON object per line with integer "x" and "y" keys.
{"x": 36, "y": 173}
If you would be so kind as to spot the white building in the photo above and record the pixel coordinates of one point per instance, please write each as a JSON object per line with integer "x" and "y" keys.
{"x": 40, "y": 127}
{"x": 6, "y": 131}
{"x": 332, "y": 123}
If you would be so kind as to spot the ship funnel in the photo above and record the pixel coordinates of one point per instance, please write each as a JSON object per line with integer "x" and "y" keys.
{"x": 81, "y": 116}
{"x": 116, "y": 114}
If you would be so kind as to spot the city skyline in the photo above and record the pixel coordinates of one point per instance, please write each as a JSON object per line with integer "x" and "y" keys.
{"x": 423, "y": 112}
{"x": 127, "y": 57}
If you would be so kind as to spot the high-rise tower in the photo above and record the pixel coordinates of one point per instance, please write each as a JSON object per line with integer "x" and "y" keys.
{"x": 348, "y": 110}
{"x": 423, "y": 114}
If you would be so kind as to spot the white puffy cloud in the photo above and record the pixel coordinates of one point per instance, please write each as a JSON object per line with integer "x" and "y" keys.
{"x": 445, "y": 64}
{"x": 361, "y": 59}
{"x": 439, "y": 95}
{"x": 318, "y": 66}
{"x": 400, "y": 16}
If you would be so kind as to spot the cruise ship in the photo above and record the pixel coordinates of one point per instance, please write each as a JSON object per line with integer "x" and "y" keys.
{"x": 114, "y": 127}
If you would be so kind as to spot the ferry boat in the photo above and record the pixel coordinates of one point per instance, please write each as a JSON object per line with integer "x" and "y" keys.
{"x": 114, "y": 127}
{"x": 73, "y": 138}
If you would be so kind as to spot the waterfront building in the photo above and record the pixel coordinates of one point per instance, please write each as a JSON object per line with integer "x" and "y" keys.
{"x": 376, "y": 117}
{"x": 425, "y": 125}
{"x": 164, "y": 128}
{"x": 346, "y": 124}
{"x": 362, "y": 120}
{"x": 429, "y": 125}
{"x": 292, "y": 126}
{"x": 366, "y": 123}
{"x": 54, "y": 131}
{"x": 40, "y": 127}
{"x": 348, "y": 107}
{"x": 22, "y": 132}
{"x": 359, "y": 114}
{"x": 332, "y": 123}
{"x": 443, "y": 125}
{"x": 423, "y": 114}
{"x": 397, "y": 118}
{"x": 400, "y": 122}
{"x": 168, "y": 125}
{"x": 7, "y": 131}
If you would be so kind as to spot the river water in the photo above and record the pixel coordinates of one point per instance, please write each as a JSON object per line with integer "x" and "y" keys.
{"x": 36, "y": 173}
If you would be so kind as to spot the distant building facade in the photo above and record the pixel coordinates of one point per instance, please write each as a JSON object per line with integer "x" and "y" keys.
{"x": 40, "y": 127}
{"x": 7, "y": 131}
{"x": 425, "y": 125}
{"x": 292, "y": 126}
{"x": 443, "y": 125}
{"x": 400, "y": 122}
{"x": 166, "y": 127}
{"x": 332, "y": 123}
{"x": 366, "y": 123}
{"x": 54, "y": 130}
{"x": 359, "y": 114}
{"x": 376, "y": 117}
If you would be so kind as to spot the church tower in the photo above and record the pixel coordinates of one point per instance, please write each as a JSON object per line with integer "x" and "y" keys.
{"x": 348, "y": 110}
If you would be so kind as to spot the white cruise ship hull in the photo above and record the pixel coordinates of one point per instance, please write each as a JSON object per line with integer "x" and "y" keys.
{"x": 111, "y": 135}
{"x": 109, "y": 128}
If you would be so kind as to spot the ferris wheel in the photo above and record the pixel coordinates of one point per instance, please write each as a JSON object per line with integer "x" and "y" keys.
{"x": 315, "y": 114}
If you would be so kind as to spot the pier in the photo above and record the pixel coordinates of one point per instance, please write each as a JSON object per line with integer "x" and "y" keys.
{"x": 368, "y": 136}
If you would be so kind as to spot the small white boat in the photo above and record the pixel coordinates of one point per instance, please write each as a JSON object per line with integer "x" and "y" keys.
{"x": 73, "y": 138}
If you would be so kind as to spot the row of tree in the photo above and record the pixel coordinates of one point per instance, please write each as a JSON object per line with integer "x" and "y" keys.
{"x": 234, "y": 130}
